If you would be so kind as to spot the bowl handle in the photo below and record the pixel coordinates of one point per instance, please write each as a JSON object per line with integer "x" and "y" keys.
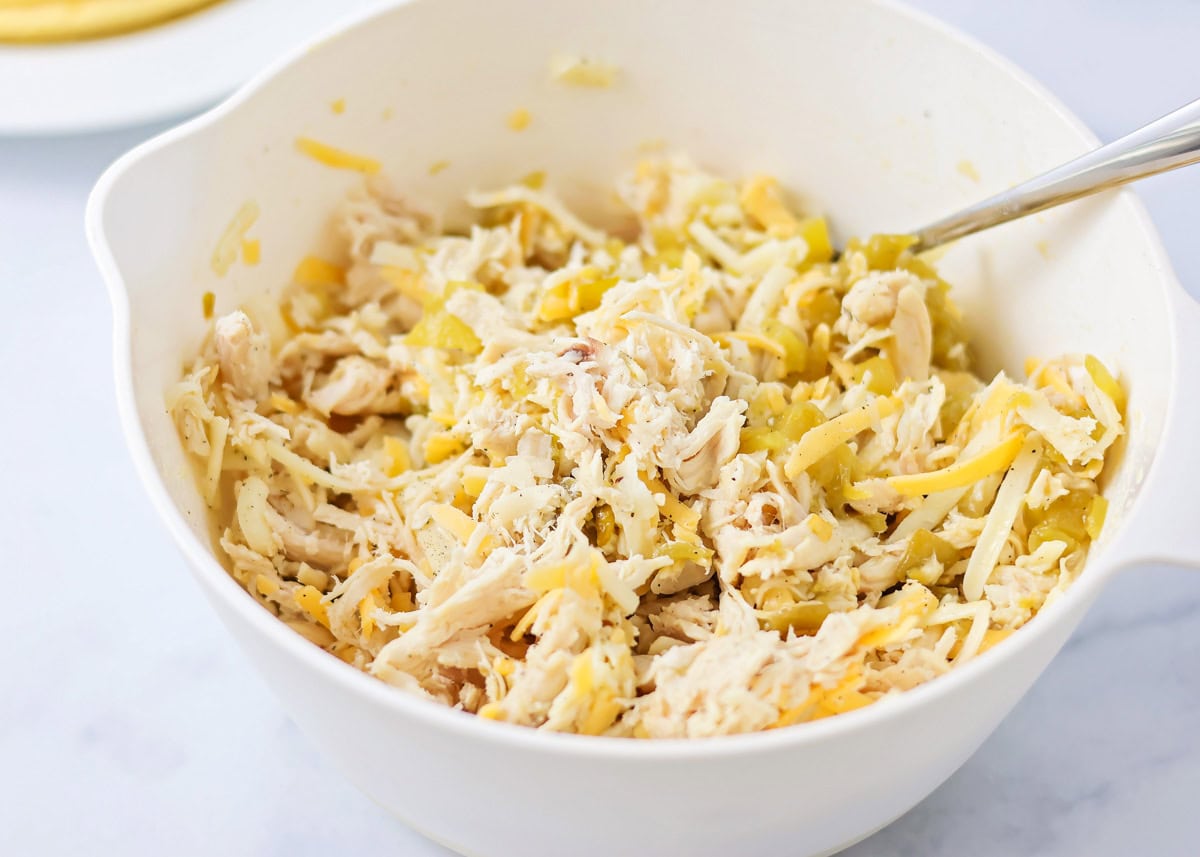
{"x": 1167, "y": 528}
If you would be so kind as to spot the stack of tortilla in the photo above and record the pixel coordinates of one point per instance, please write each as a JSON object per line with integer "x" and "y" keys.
{"x": 68, "y": 20}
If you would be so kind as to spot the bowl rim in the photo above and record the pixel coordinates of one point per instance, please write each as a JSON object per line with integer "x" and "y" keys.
{"x": 429, "y": 714}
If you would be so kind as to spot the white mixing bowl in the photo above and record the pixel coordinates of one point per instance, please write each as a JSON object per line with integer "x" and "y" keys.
{"x": 884, "y": 119}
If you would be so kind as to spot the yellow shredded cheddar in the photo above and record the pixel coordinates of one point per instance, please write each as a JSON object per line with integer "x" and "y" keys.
{"x": 265, "y": 585}
{"x": 1103, "y": 379}
{"x": 454, "y": 521}
{"x": 752, "y": 339}
{"x": 1097, "y": 511}
{"x": 582, "y": 72}
{"x": 366, "y": 611}
{"x": 442, "y": 445}
{"x": 473, "y": 485}
{"x": 994, "y": 636}
{"x": 281, "y": 402}
{"x": 519, "y": 119}
{"x": 309, "y": 599}
{"x": 821, "y": 528}
{"x": 963, "y": 472}
{"x": 339, "y": 159}
{"x": 761, "y": 199}
{"x": 821, "y": 440}
{"x": 251, "y": 251}
{"x": 397, "y": 454}
{"x": 312, "y": 271}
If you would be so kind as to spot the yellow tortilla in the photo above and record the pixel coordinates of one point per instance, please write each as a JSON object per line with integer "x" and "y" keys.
{"x": 67, "y": 20}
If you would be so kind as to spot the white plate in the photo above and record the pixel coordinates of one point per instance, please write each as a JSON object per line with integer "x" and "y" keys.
{"x": 149, "y": 74}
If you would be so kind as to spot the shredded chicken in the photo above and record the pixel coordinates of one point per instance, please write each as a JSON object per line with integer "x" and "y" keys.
{"x": 703, "y": 481}
{"x": 244, "y": 355}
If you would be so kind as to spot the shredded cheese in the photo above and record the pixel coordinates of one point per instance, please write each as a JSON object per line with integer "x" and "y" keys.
{"x": 230, "y": 242}
{"x": 308, "y": 598}
{"x": 312, "y": 271}
{"x": 761, "y": 198}
{"x": 821, "y": 528}
{"x": 581, "y": 71}
{"x": 339, "y": 159}
{"x": 519, "y": 119}
{"x": 963, "y": 472}
{"x": 821, "y": 440}
{"x": 251, "y": 251}
{"x": 753, "y": 339}
{"x": 398, "y": 458}
{"x": 1005, "y": 509}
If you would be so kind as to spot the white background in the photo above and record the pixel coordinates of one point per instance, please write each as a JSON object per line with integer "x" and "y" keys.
{"x": 129, "y": 724}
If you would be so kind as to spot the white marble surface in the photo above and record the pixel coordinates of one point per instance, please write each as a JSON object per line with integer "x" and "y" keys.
{"x": 129, "y": 729}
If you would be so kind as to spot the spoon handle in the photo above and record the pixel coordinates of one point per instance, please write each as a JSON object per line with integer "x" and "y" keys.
{"x": 1170, "y": 142}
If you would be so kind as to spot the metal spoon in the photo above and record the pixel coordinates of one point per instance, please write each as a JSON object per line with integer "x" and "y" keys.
{"x": 1170, "y": 142}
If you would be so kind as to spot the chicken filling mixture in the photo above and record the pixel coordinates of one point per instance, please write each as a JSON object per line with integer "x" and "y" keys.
{"x": 686, "y": 479}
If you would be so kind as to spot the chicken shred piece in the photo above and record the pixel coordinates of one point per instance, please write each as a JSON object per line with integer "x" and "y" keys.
{"x": 244, "y": 355}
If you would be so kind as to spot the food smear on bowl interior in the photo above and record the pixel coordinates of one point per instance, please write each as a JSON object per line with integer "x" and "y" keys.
{"x": 688, "y": 479}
